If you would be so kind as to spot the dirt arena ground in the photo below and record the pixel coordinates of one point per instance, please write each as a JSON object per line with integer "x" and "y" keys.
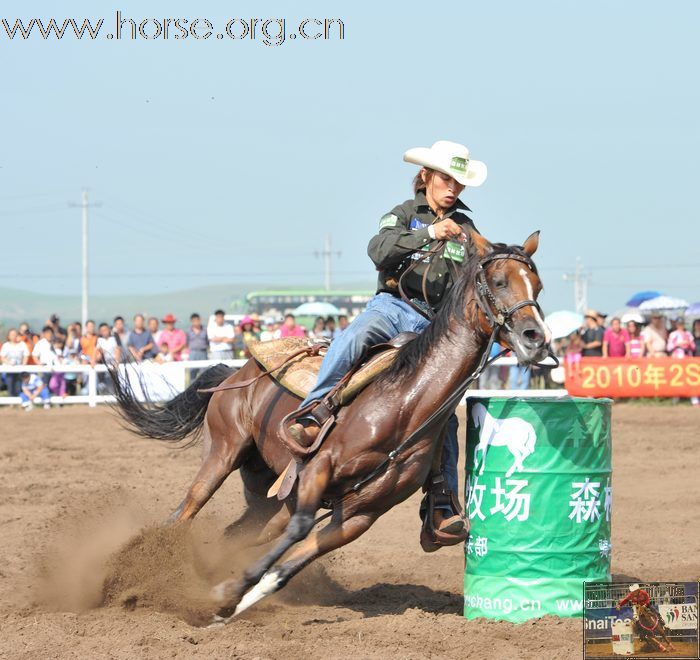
{"x": 76, "y": 488}
{"x": 641, "y": 650}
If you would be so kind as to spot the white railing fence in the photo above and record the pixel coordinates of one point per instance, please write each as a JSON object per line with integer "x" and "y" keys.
{"x": 172, "y": 375}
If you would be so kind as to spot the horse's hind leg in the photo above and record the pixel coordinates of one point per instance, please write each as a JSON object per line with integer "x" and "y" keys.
{"x": 260, "y": 509}
{"x": 223, "y": 452}
{"x": 275, "y": 526}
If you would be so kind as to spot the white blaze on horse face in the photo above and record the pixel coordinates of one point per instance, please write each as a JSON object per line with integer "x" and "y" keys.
{"x": 528, "y": 285}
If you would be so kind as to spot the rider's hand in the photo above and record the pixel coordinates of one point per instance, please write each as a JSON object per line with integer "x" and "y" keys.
{"x": 447, "y": 229}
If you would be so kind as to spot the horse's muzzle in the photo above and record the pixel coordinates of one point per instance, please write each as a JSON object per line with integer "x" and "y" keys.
{"x": 530, "y": 342}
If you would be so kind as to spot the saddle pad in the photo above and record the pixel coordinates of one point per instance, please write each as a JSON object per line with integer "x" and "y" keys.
{"x": 299, "y": 375}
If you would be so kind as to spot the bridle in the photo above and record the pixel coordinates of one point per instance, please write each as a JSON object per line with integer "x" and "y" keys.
{"x": 497, "y": 315}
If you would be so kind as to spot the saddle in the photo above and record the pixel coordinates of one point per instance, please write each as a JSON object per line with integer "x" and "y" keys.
{"x": 294, "y": 363}
{"x": 298, "y": 375}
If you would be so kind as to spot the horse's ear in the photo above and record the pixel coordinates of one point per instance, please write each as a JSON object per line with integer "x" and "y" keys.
{"x": 531, "y": 243}
{"x": 481, "y": 244}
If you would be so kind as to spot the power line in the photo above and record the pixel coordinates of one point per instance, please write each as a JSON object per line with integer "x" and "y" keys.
{"x": 208, "y": 243}
{"x": 624, "y": 267}
{"x": 42, "y": 209}
{"x": 4, "y": 198}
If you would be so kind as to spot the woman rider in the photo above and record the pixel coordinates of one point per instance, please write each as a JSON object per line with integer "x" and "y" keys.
{"x": 435, "y": 213}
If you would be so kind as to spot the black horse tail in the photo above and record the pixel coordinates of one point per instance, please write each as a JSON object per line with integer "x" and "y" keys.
{"x": 172, "y": 420}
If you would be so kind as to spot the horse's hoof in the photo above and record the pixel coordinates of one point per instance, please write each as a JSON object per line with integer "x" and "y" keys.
{"x": 218, "y": 621}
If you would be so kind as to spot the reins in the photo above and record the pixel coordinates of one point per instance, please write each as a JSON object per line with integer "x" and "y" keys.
{"x": 308, "y": 351}
{"x": 432, "y": 252}
{"x": 502, "y": 318}
{"x": 448, "y": 405}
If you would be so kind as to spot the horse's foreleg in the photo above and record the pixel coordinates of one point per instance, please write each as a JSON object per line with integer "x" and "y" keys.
{"x": 334, "y": 535}
{"x": 656, "y": 642}
{"x": 313, "y": 482}
{"x": 662, "y": 632}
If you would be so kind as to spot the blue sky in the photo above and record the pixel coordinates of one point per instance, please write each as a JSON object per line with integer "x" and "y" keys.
{"x": 220, "y": 161}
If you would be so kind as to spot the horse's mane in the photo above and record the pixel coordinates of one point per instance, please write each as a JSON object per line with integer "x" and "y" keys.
{"x": 410, "y": 356}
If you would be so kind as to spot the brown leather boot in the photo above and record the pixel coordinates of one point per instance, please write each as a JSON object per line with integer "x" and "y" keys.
{"x": 441, "y": 527}
{"x": 447, "y": 532}
{"x": 448, "y": 524}
{"x": 304, "y": 435}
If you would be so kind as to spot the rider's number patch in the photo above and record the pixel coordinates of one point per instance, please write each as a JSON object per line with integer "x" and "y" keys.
{"x": 388, "y": 220}
{"x": 454, "y": 251}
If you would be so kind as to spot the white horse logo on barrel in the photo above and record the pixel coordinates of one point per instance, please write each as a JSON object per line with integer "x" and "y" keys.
{"x": 514, "y": 433}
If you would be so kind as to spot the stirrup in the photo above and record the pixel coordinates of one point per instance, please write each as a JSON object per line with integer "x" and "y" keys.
{"x": 438, "y": 495}
{"x": 303, "y": 434}
{"x": 322, "y": 411}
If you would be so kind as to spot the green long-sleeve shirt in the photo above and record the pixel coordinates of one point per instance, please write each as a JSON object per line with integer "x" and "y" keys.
{"x": 404, "y": 230}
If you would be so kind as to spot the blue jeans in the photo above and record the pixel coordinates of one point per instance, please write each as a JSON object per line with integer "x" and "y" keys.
{"x": 44, "y": 395}
{"x": 384, "y": 317}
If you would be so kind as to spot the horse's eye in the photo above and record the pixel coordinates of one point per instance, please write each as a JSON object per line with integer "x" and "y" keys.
{"x": 499, "y": 282}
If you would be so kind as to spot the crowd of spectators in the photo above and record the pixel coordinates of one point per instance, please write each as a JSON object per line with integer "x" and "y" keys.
{"x": 658, "y": 338}
{"x": 632, "y": 340}
{"x": 160, "y": 340}
{"x": 152, "y": 339}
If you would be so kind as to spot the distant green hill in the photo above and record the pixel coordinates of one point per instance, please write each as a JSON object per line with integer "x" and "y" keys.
{"x": 17, "y": 305}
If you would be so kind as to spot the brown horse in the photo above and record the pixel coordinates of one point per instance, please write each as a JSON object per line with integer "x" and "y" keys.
{"x": 494, "y": 296}
{"x": 649, "y": 625}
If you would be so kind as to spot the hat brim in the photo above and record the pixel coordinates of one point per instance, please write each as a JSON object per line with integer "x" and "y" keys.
{"x": 425, "y": 157}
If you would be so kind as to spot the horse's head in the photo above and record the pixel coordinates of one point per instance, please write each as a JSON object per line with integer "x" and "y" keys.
{"x": 506, "y": 289}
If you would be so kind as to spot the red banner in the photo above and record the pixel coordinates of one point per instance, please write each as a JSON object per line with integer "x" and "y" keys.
{"x": 640, "y": 377}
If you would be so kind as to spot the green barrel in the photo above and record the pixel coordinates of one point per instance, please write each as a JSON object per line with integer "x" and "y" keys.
{"x": 539, "y": 496}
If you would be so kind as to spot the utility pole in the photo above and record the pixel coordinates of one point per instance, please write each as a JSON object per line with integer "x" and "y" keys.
{"x": 84, "y": 314}
{"x": 85, "y": 205}
{"x": 327, "y": 253}
{"x": 580, "y": 280}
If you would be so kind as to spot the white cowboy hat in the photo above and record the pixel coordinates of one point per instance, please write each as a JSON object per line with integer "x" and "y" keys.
{"x": 449, "y": 158}
{"x": 634, "y": 587}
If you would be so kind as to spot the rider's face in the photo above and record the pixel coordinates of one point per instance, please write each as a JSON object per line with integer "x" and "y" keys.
{"x": 442, "y": 190}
